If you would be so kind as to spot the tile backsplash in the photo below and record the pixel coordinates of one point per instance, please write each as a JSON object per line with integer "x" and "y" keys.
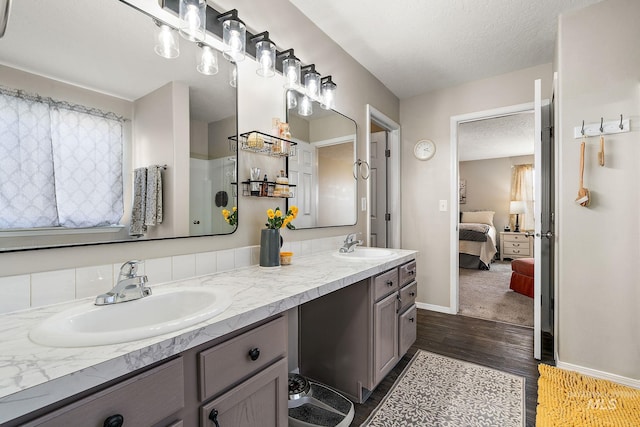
{"x": 52, "y": 287}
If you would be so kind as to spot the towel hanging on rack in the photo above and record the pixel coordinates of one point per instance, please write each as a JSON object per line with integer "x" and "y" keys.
{"x": 153, "y": 205}
{"x": 137, "y": 227}
{"x": 147, "y": 199}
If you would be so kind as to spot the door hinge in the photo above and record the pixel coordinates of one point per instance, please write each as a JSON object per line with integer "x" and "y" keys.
{"x": 387, "y": 217}
{"x": 387, "y": 153}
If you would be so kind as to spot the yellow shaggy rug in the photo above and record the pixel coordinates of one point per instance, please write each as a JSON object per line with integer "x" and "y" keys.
{"x": 567, "y": 398}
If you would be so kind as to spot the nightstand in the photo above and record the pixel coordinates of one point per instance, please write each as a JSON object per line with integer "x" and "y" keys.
{"x": 515, "y": 245}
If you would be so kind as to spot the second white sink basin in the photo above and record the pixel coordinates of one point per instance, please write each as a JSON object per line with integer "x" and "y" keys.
{"x": 166, "y": 310}
{"x": 365, "y": 253}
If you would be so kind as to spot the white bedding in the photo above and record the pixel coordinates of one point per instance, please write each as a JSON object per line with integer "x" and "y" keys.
{"x": 484, "y": 250}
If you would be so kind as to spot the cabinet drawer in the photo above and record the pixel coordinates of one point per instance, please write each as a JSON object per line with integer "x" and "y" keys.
{"x": 516, "y": 238}
{"x": 385, "y": 283}
{"x": 232, "y": 361}
{"x": 510, "y": 250}
{"x": 408, "y": 295}
{"x": 260, "y": 401}
{"x": 143, "y": 400}
{"x": 407, "y": 273}
{"x": 407, "y": 326}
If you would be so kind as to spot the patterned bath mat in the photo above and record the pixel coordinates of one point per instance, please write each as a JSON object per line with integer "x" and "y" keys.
{"x": 567, "y": 398}
{"x": 438, "y": 391}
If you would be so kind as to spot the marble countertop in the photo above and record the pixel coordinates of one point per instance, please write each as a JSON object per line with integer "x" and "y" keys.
{"x": 33, "y": 376}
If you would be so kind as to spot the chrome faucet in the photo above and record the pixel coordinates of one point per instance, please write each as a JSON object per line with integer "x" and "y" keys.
{"x": 350, "y": 243}
{"x": 129, "y": 287}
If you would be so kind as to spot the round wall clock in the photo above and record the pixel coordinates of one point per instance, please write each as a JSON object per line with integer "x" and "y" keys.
{"x": 424, "y": 149}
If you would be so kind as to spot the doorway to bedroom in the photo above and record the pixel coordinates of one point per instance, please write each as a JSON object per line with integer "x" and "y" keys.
{"x": 496, "y": 204}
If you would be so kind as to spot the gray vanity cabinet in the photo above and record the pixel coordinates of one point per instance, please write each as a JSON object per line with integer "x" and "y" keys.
{"x": 385, "y": 324}
{"x": 145, "y": 399}
{"x": 351, "y": 338}
{"x": 247, "y": 377}
{"x": 260, "y": 401}
{"x": 240, "y": 377}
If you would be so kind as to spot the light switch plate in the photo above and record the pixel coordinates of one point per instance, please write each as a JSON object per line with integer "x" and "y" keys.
{"x": 443, "y": 205}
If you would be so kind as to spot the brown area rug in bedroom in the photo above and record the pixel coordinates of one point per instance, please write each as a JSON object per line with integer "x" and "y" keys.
{"x": 486, "y": 295}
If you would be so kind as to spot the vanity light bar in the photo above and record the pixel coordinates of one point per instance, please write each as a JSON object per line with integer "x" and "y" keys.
{"x": 214, "y": 26}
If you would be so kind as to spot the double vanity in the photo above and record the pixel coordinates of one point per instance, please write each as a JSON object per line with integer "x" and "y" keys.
{"x": 222, "y": 370}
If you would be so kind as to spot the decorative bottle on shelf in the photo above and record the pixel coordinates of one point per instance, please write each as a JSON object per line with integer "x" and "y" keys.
{"x": 282, "y": 185}
{"x": 264, "y": 188}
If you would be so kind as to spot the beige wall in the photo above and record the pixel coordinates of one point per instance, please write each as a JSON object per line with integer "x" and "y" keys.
{"x": 599, "y": 246}
{"x": 489, "y": 186}
{"x": 424, "y": 227}
{"x": 330, "y": 127}
{"x": 258, "y": 101}
{"x": 335, "y": 166}
{"x": 162, "y": 118}
{"x": 198, "y": 139}
{"x": 219, "y": 132}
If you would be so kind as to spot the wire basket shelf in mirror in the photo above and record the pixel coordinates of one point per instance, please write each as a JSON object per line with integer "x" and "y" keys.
{"x": 263, "y": 143}
{"x": 270, "y": 191}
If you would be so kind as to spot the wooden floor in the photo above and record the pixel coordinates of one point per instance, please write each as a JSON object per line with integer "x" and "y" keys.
{"x": 508, "y": 348}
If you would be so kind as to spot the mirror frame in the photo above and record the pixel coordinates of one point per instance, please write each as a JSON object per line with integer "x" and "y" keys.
{"x": 316, "y": 104}
{"x": 64, "y": 242}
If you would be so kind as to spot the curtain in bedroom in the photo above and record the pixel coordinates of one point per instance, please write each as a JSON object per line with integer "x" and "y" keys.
{"x": 522, "y": 189}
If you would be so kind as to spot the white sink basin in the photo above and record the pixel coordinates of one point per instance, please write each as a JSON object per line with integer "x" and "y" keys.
{"x": 365, "y": 253}
{"x": 166, "y": 310}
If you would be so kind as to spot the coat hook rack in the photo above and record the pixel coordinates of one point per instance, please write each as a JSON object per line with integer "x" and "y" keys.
{"x": 602, "y": 128}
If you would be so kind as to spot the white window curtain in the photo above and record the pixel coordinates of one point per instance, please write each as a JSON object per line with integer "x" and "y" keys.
{"x": 87, "y": 159}
{"x": 522, "y": 190}
{"x": 60, "y": 164}
{"x": 27, "y": 196}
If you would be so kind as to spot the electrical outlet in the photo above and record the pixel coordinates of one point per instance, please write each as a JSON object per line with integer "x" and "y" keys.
{"x": 443, "y": 205}
{"x": 363, "y": 204}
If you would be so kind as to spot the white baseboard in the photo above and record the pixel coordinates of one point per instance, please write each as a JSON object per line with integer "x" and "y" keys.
{"x": 432, "y": 307}
{"x": 631, "y": 382}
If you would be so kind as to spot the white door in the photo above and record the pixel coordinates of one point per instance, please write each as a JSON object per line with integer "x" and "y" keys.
{"x": 378, "y": 182}
{"x": 301, "y": 172}
{"x": 543, "y": 226}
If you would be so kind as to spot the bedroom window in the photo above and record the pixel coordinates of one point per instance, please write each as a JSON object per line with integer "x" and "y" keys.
{"x": 60, "y": 164}
{"x": 522, "y": 189}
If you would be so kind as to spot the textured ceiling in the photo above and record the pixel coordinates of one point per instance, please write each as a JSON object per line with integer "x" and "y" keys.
{"x": 416, "y": 46}
{"x": 505, "y": 136}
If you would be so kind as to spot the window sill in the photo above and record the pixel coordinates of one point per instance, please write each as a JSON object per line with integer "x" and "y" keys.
{"x": 52, "y": 231}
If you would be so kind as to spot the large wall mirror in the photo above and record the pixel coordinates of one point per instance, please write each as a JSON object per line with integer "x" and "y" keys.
{"x": 326, "y": 190}
{"x": 86, "y": 103}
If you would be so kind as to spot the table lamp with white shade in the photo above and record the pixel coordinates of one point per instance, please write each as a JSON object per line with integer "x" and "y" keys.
{"x": 516, "y": 207}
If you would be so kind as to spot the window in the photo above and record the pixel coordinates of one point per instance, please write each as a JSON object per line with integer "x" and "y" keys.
{"x": 522, "y": 189}
{"x": 60, "y": 164}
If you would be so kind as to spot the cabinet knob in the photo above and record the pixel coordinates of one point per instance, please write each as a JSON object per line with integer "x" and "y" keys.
{"x": 213, "y": 416}
{"x": 254, "y": 353}
{"x": 412, "y": 319}
{"x": 413, "y": 294}
{"x": 390, "y": 282}
{"x": 411, "y": 272}
{"x": 116, "y": 420}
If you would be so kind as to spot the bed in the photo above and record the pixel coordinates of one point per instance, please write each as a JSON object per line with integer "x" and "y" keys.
{"x": 476, "y": 240}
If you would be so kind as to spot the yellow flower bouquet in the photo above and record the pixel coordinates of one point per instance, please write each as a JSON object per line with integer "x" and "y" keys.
{"x": 230, "y": 216}
{"x": 276, "y": 219}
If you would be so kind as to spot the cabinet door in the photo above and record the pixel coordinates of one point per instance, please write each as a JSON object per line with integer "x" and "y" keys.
{"x": 408, "y": 329}
{"x": 385, "y": 336}
{"x": 260, "y": 401}
{"x": 143, "y": 400}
